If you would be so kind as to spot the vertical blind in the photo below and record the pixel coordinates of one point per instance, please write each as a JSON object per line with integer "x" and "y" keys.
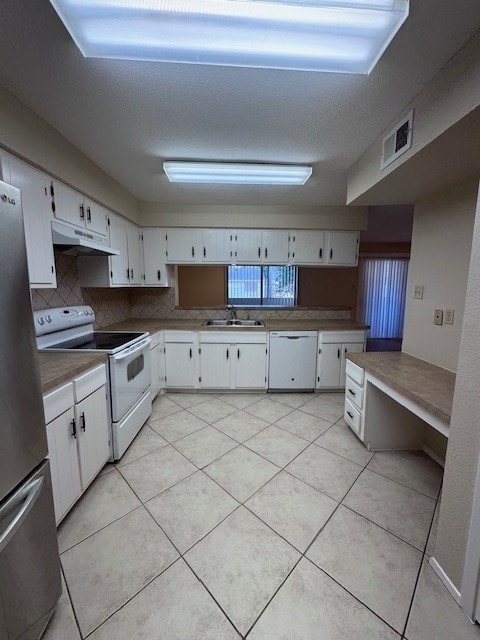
{"x": 268, "y": 286}
{"x": 382, "y": 286}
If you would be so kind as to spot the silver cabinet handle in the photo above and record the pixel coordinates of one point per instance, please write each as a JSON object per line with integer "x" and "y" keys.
{"x": 14, "y": 512}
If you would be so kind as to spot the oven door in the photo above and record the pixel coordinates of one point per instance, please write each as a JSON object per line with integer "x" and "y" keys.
{"x": 130, "y": 377}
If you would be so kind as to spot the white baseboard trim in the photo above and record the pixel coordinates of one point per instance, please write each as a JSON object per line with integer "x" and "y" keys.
{"x": 451, "y": 588}
{"x": 434, "y": 456}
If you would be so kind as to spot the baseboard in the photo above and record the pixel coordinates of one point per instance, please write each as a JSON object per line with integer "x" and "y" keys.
{"x": 451, "y": 588}
{"x": 434, "y": 456}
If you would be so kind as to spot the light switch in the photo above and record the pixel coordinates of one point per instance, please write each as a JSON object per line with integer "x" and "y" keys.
{"x": 438, "y": 317}
{"x": 418, "y": 292}
{"x": 449, "y": 316}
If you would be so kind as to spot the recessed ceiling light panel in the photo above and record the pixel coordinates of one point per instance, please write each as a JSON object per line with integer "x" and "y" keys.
{"x": 344, "y": 36}
{"x": 230, "y": 173}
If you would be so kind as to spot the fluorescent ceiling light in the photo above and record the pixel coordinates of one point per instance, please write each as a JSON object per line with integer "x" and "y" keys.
{"x": 344, "y": 36}
{"x": 229, "y": 173}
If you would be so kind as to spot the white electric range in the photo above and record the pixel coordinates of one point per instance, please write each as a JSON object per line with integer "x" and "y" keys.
{"x": 128, "y": 370}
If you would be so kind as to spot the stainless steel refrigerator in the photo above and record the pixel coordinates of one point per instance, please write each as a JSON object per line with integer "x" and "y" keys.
{"x": 29, "y": 562}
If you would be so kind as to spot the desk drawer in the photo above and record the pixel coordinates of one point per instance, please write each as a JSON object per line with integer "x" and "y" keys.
{"x": 355, "y": 372}
{"x": 354, "y": 392}
{"x": 353, "y": 416}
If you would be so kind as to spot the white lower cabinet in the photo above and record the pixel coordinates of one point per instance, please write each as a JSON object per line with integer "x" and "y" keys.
{"x": 93, "y": 434}
{"x": 78, "y": 435}
{"x": 181, "y": 363}
{"x": 233, "y": 360}
{"x": 157, "y": 359}
{"x": 250, "y": 366}
{"x": 333, "y": 347}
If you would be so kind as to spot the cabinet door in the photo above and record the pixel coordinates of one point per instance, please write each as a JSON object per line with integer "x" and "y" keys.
{"x": 275, "y": 246}
{"x": 343, "y": 248}
{"x": 248, "y": 246}
{"x": 93, "y": 434}
{"x": 118, "y": 240}
{"x": 307, "y": 247}
{"x": 154, "y": 257}
{"x": 68, "y": 204}
{"x": 135, "y": 254}
{"x": 155, "y": 363}
{"x": 216, "y": 246}
{"x": 215, "y": 366}
{"x": 37, "y": 217}
{"x": 161, "y": 361}
{"x": 96, "y": 217}
{"x": 352, "y": 347}
{"x": 250, "y": 366}
{"x": 183, "y": 245}
{"x": 63, "y": 454}
{"x": 179, "y": 365}
{"x": 329, "y": 365}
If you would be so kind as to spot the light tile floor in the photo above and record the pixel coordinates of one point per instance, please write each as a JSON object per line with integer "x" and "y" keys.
{"x": 259, "y": 517}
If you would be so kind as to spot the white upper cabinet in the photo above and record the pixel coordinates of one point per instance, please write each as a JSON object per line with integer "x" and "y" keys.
{"x": 119, "y": 269}
{"x": 275, "y": 246}
{"x": 155, "y": 256}
{"x": 248, "y": 246}
{"x": 96, "y": 217}
{"x": 342, "y": 249}
{"x": 135, "y": 254}
{"x": 70, "y": 206}
{"x": 37, "y": 216}
{"x": 307, "y": 247}
{"x": 184, "y": 246}
{"x": 217, "y": 246}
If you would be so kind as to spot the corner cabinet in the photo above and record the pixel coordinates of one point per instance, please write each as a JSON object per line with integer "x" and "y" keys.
{"x": 78, "y": 436}
{"x": 181, "y": 359}
{"x": 233, "y": 360}
{"x": 333, "y": 347}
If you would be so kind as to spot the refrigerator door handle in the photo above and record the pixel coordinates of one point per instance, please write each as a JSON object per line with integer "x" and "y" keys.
{"x": 14, "y": 512}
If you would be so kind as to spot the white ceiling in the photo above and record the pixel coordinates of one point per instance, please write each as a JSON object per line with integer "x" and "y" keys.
{"x": 130, "y": 116}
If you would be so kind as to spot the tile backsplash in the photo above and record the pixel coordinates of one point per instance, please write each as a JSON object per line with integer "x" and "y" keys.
{"x": 160, "y": 303}
{"x": 110, "y": 305}
{"x": 115, "y": 305}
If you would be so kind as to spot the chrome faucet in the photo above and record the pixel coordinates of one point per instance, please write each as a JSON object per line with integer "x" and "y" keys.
{"x": 233, "y": 311}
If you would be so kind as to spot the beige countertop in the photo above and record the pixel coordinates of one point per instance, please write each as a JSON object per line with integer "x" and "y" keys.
{"x": 56, "y": 367}
{"x": 152, "y": 325}
{"x": 426, "y": 384}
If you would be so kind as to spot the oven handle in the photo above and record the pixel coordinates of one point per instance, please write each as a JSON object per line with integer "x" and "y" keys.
{"x": 132, "y": 350}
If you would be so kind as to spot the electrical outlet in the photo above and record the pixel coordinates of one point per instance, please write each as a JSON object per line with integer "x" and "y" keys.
{"x": 449, "y": 316}
{"x": 438, "y": 317}
{"x": 418, "y": 292}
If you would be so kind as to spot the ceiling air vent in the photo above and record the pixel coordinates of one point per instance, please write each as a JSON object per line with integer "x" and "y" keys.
{"x": 397, "y": 141}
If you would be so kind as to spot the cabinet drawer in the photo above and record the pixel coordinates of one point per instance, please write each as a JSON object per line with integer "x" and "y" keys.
{"x": 89, "y": 382}
{"x": 156, "y": 338}
{"x": 57, "y": 402}
{"x": 327, "y": 337}
{"x": 354, "y": 392}
{"x": 356, "y": 373}
{"x": 179, "y": 336}
{"x": 353, "y": 416}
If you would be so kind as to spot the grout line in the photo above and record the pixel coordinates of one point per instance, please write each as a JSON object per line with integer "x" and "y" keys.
{"x": 70, "y": 600}
{"x": 396, "y": 481}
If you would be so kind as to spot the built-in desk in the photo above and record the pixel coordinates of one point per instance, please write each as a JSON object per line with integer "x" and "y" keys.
{"x": 390, "y": 396}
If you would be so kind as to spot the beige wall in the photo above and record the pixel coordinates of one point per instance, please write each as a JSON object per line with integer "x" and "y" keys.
{"x": 261, "y": 217}
{"x": 440, "y": 256}
{"x": 464, "y": 442}
{"x": 25, "y": 134}
{"x": 445, "y": 100}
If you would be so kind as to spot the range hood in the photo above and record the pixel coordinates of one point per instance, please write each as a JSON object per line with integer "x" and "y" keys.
{"x": 79, "y": 242}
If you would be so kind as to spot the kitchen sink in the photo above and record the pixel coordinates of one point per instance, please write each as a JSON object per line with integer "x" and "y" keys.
{"x": 233, "y": 323}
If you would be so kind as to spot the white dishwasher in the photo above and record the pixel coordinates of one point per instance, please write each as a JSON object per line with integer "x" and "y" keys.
{"x": 293, "y": 360}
